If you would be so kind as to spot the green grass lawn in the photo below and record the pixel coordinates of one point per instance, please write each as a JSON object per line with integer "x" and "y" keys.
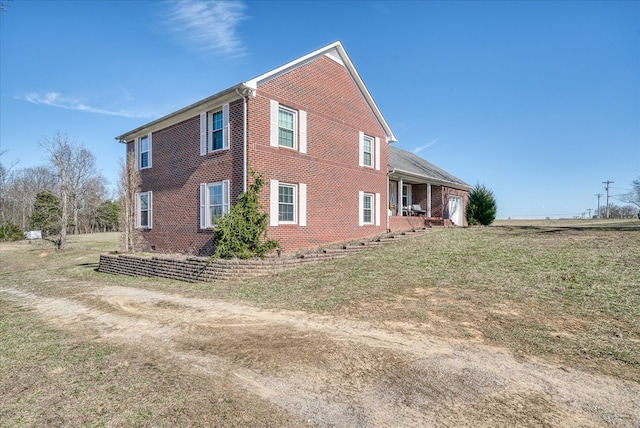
{"x": 567, "y": 292}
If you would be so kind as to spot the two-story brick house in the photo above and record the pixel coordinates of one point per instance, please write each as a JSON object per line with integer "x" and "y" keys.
{"x": 309, "y": 127}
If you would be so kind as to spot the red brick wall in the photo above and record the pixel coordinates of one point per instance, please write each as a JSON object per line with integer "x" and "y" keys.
{"x": 175, "y": 176}
{"x": 336, "y": 112}
{"x": 437, "y": 200}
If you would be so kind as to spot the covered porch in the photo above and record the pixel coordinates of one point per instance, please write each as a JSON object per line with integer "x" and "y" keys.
{"x": 414, "y": 205}
{"x": 421, "y": 194}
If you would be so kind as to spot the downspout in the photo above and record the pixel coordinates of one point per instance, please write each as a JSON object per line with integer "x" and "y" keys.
{"x": 387, "y": 203}
{"x": 244, "y": 140}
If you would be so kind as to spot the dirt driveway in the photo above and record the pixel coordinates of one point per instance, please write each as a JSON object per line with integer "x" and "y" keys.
{"x": 326, "y": 371}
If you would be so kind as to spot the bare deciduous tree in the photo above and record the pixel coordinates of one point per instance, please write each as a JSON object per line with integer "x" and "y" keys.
{"x": 74, "y": 165}
{"x": 19, "y": 190}
{"x": 632, "y": 197}
{"x": 129, "y": 183}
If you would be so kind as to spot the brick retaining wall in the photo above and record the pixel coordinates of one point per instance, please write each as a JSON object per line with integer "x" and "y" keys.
{"x": 199, "y": 269}
{"x": 204, "y": 269}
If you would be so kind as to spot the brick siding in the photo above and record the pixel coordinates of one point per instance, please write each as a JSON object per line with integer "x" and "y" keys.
{"x": 336, "y": 112}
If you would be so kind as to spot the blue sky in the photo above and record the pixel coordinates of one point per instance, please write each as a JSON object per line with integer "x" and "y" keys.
{"x": 538, "y": 100}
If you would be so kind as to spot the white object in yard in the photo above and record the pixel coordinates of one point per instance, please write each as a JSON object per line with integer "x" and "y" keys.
{"x": 33, "y": 234}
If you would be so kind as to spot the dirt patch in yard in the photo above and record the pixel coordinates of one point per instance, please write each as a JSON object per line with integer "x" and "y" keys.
{"x": 286, "y": 368}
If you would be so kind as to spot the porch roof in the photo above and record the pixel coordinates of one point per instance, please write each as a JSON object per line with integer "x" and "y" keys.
{"x": 406, "y": 164}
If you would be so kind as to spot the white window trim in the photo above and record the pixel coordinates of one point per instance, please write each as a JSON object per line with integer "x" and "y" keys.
{"x": 375, "y": 209}
{"x": 366, "y": 196}
{"x": 137, "y": 148}
{"x": 138, "y": 212}
{"x": 295, "y": 203}
{"x": 300, "y": 203}
{"x": 375, "y": 151}
{"x": 299, "y": 125}
{"x": 206, "y": 222}
{"x": 206, "y": 130}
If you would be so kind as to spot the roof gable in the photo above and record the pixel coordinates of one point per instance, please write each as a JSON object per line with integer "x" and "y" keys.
{"x": 402, "y": 161}
{"x": 336, "y": 52}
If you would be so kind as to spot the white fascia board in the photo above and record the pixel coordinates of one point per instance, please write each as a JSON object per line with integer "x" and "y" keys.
{"x": 209, "y": 103}
{"x": 255, "y": 82}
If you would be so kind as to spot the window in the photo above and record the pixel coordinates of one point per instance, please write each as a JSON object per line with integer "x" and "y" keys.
{"x": 214, "y": 203}
{"x": 406, "y": 195}
{"x": 142, "y": 148}
{"x": 369, "y": 151}
{"x": 144, "y": 152}
{"x": 214, "y": 130}
{"x": 143, "y": 210}
{"x": 288, "y": 127}
{"x": 369, "y": 209}
{"x": 288, "y": 203}
{"x": 366, "y": 151}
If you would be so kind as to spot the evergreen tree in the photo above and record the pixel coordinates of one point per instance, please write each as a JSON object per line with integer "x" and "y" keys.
{"x": 108, "y": 215}
{"x": 9, "y": 231}
{"x": 482, "y": 206}
{"x": 242, "y": 233}
{"x": 46, "y": 214}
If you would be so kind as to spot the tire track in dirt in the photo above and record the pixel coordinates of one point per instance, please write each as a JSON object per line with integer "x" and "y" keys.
{"x": 337, "y": 372}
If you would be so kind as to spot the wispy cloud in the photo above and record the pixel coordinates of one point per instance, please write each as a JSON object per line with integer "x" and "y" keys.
{"x": 429, "y": 144}
{"x": 55, "y": 99}
{"x": 209, "y": 25}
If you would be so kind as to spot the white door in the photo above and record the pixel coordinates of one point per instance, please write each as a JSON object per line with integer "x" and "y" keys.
{"x": 455, "y": 210}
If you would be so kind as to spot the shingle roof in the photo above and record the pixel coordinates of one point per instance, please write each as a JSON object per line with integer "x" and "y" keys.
{"x": 404, "y": 161}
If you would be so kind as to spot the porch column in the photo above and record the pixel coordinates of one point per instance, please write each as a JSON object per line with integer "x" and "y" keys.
{"x": 400, "y": 207}
{"x": 428, "y": 199}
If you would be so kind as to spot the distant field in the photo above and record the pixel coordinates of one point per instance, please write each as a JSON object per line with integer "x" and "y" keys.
{"x": 634, "y": 222}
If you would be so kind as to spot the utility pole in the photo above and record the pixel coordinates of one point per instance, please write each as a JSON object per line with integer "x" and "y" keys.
{"x": 589, "y": 211}
{"x": 606, "y": 187}
{"x": 598, "y": 195}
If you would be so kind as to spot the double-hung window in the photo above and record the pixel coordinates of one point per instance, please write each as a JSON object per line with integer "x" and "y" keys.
{"x": 288, "y": 203}
{"x": 369, "y": 151}
{"x": 214, "y": 130}
{"x": 369, "y": 209}
{"x": 214, "y": 203}
{"x": 142, "y": 148}
{"x": 287, "y": 119}
{"x": 143, "y": 210}
{"x": 288, "y": 127}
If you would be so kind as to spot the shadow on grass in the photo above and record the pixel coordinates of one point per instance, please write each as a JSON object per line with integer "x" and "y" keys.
{"x": 93, "y": 265}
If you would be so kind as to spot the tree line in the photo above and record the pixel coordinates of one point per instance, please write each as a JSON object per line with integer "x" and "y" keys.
{"x": 66, "y": 195}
